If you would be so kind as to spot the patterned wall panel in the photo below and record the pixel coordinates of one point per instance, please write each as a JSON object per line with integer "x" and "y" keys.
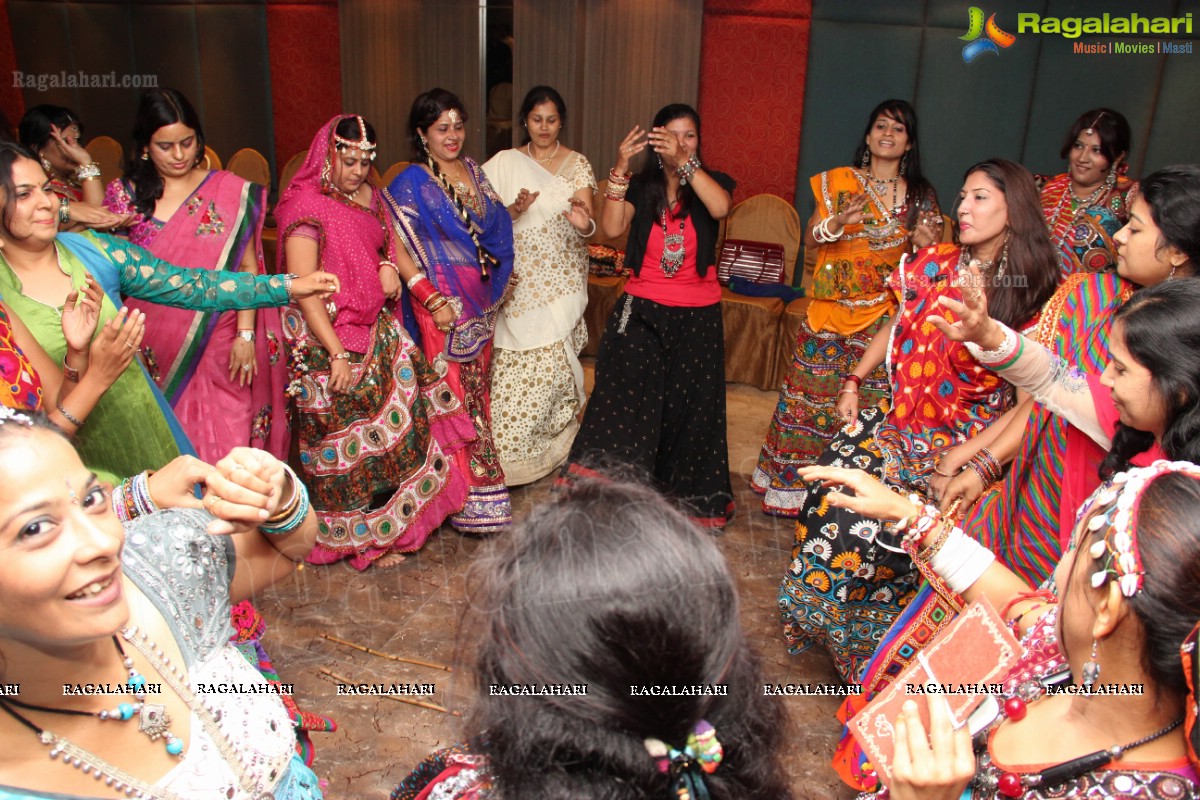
{"x": 306, "y": 74}
{"x": 752, "y": 100}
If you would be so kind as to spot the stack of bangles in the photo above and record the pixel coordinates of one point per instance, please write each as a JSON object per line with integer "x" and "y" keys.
{"x": 618, "y": 185}
{"x": 823, "y": 234}
{"x": 433, "y": 300}
{"x": 851, "y": 378}
{"x": 386, "y": 263}
{"x": 686, "y": 170}
{"x": 87, "y": 172}
{"x": 986, "y": 467}
{"x": 131, "y": 498}
{"x": 290, "y": 514}
{"x": 932, "y": 539}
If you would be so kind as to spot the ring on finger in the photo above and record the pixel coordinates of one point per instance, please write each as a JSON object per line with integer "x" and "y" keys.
{"x": 129, "y": 344}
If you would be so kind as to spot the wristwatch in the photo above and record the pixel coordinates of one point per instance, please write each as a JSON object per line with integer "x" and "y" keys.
{"x": 247, "y": 335}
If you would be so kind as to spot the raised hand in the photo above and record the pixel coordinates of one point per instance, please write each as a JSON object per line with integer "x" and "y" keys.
{"x": 578, "y": 215}
{"x": 115, "y": 346}
{"x": 524, "y": 200}
{"x": 973, "y": 323}
{"x": 852, "y": 212}
{"x": 937, "y": 766}
{"x": 80, "y": 314}
{"x": 244, "y": 489}
{"x": 633, "y": 143}
{"x": 319, "y": 284}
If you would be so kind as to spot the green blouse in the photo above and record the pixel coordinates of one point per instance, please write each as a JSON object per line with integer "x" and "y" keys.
{"x": 127, "y": 431}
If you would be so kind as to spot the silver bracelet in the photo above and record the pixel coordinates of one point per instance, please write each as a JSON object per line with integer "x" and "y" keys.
{"x": 71, "y": 418}
{"x": 589, "y": 233}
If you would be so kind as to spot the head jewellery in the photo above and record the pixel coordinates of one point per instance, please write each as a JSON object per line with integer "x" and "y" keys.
{"x": 1091, "y": 129}
{"x": 1115, "y": 506}
{"x": 452, "y": 114}
{"x": 365, "y": 145}
{"x": 699, "y": 757}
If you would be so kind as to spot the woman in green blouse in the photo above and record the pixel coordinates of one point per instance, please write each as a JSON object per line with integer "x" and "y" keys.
{"x": 132, "y": 427}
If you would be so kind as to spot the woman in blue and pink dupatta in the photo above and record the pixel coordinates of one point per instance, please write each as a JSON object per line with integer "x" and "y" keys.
{"x": 379, "y": 428}
{"x": 459, "y": 233}
{"x": 223, "y": 373}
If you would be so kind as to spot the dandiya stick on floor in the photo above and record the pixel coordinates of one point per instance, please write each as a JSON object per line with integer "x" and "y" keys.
{"x": 409, "y": 701}
{"x": 388, "y": 656}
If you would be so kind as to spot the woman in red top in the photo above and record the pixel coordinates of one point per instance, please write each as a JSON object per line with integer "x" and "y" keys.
{"x": 659, "y": 401}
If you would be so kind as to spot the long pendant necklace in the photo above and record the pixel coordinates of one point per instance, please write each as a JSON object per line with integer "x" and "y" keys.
{"x": 889, "y": 223}
{"x": 673, "y": 248}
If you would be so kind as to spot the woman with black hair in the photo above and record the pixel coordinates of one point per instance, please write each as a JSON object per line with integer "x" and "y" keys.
{"x": 537, "y": 382}
{"x": 659, "y": 400}
{"x": 459, "y": 241}
{"x": 868, "y": 217}
{"x": 224, "y": 374}
{"x": 1120, "y": 613}
{"x": 54, "y": 134}
{"x": 847, "y": 583}
{"x": 1056, "y": 462}
{"x": 610, "y": 589}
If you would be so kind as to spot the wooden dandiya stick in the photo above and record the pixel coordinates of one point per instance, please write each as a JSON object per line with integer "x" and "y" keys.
{"x": 386, "y": 655}
{"x": 397, "y": 698}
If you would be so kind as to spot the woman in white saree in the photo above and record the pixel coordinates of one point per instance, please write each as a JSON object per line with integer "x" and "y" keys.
{"x": 537, "y": 381}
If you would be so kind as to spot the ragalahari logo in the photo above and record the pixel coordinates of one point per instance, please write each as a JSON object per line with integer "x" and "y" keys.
{"x": 994, "y": 40}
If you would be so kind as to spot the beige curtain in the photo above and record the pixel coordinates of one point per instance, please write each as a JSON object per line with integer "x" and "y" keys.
{"x": 392, "y": 50}
{"x": 615, "y": 62}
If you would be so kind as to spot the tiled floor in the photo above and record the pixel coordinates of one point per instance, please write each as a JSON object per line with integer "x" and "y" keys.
{"x": 413, "y": 609}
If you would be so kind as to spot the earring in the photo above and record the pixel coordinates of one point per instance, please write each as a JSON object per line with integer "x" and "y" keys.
{"x": 866, "y": 159}
{"x": 145, "y": 155}
{"x": 1091, "y": 669}
{"x": 1111, "y": 180}
{"x": 1003, "y": 263}
{"x": 904, "y": 164}
{"x": 46, "y": 165}
{"x": 659, "y": 160}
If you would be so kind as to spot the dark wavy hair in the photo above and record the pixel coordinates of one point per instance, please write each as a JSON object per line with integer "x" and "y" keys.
{"x": 157, "y": 109}
{"x": 1161, "y": 327}
{"x": 425, "y": 111}
{"x": 34, "y": 129}
{"x": 1173, "y": 194}
{"x": 656, "y": 178}
{"x": 607, "y": 585}
{"x": 920, "y": 195}
{"x": 1112, "y": 128}
{"x": 534, "y": 98}
{"x": 10, "y": 153}
{"x": 1032, "y": 259}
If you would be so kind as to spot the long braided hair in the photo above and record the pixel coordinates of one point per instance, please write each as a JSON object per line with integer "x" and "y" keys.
{"x": 426, "y": 110}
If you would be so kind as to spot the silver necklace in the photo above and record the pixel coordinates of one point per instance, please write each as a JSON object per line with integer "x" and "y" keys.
{"x": 546, "y": 160}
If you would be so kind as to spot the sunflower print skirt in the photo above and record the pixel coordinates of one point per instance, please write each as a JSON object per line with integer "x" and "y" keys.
{"x": 848, "y": 580}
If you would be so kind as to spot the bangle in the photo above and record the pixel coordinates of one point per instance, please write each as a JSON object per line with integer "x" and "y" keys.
{"x": 71, "y": 418}
{"x": 686, "y": 170}
{"x": 64, "y": 211}
{"x": 131, "y": 499}
{"x": 852, "y": 378}
{"x": 847, "y": 391}
{"x": 589, "y": 233}
{"x": 342, "y": 356}
{"x": 287, "y": 283}
{"x": 928, "y": 551}
{"x": 87, "y": 172}
{"x": 70, "y": 373}
{"x": 292, "y": 513}
{"x": 937, "y": 464}
{"x": 961, "y": 560}
{"x": 386, "y": 263}
{"x": 423, "y": 291}
{"x": 986, "y": 466}
{"x": 414, "y": 280}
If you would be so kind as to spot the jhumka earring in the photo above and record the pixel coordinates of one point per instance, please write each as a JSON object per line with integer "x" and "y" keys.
{"x": 1091, "y": 668}
{"x": 866, "y": 159}
{"x": 1111, "y": 180}
{"x": 46, "y": 165}
{"x": 904, "y": 164}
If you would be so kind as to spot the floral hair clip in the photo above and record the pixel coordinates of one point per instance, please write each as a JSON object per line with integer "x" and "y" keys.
{"x": 700, "y": 756}
{"x": 1116, "y": 505}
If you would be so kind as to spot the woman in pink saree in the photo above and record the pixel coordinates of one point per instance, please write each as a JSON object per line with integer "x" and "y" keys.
{"x": 224, "y": 374}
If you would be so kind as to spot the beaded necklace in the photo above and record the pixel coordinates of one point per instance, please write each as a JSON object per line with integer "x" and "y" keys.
{"x": 252, "y": 776}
